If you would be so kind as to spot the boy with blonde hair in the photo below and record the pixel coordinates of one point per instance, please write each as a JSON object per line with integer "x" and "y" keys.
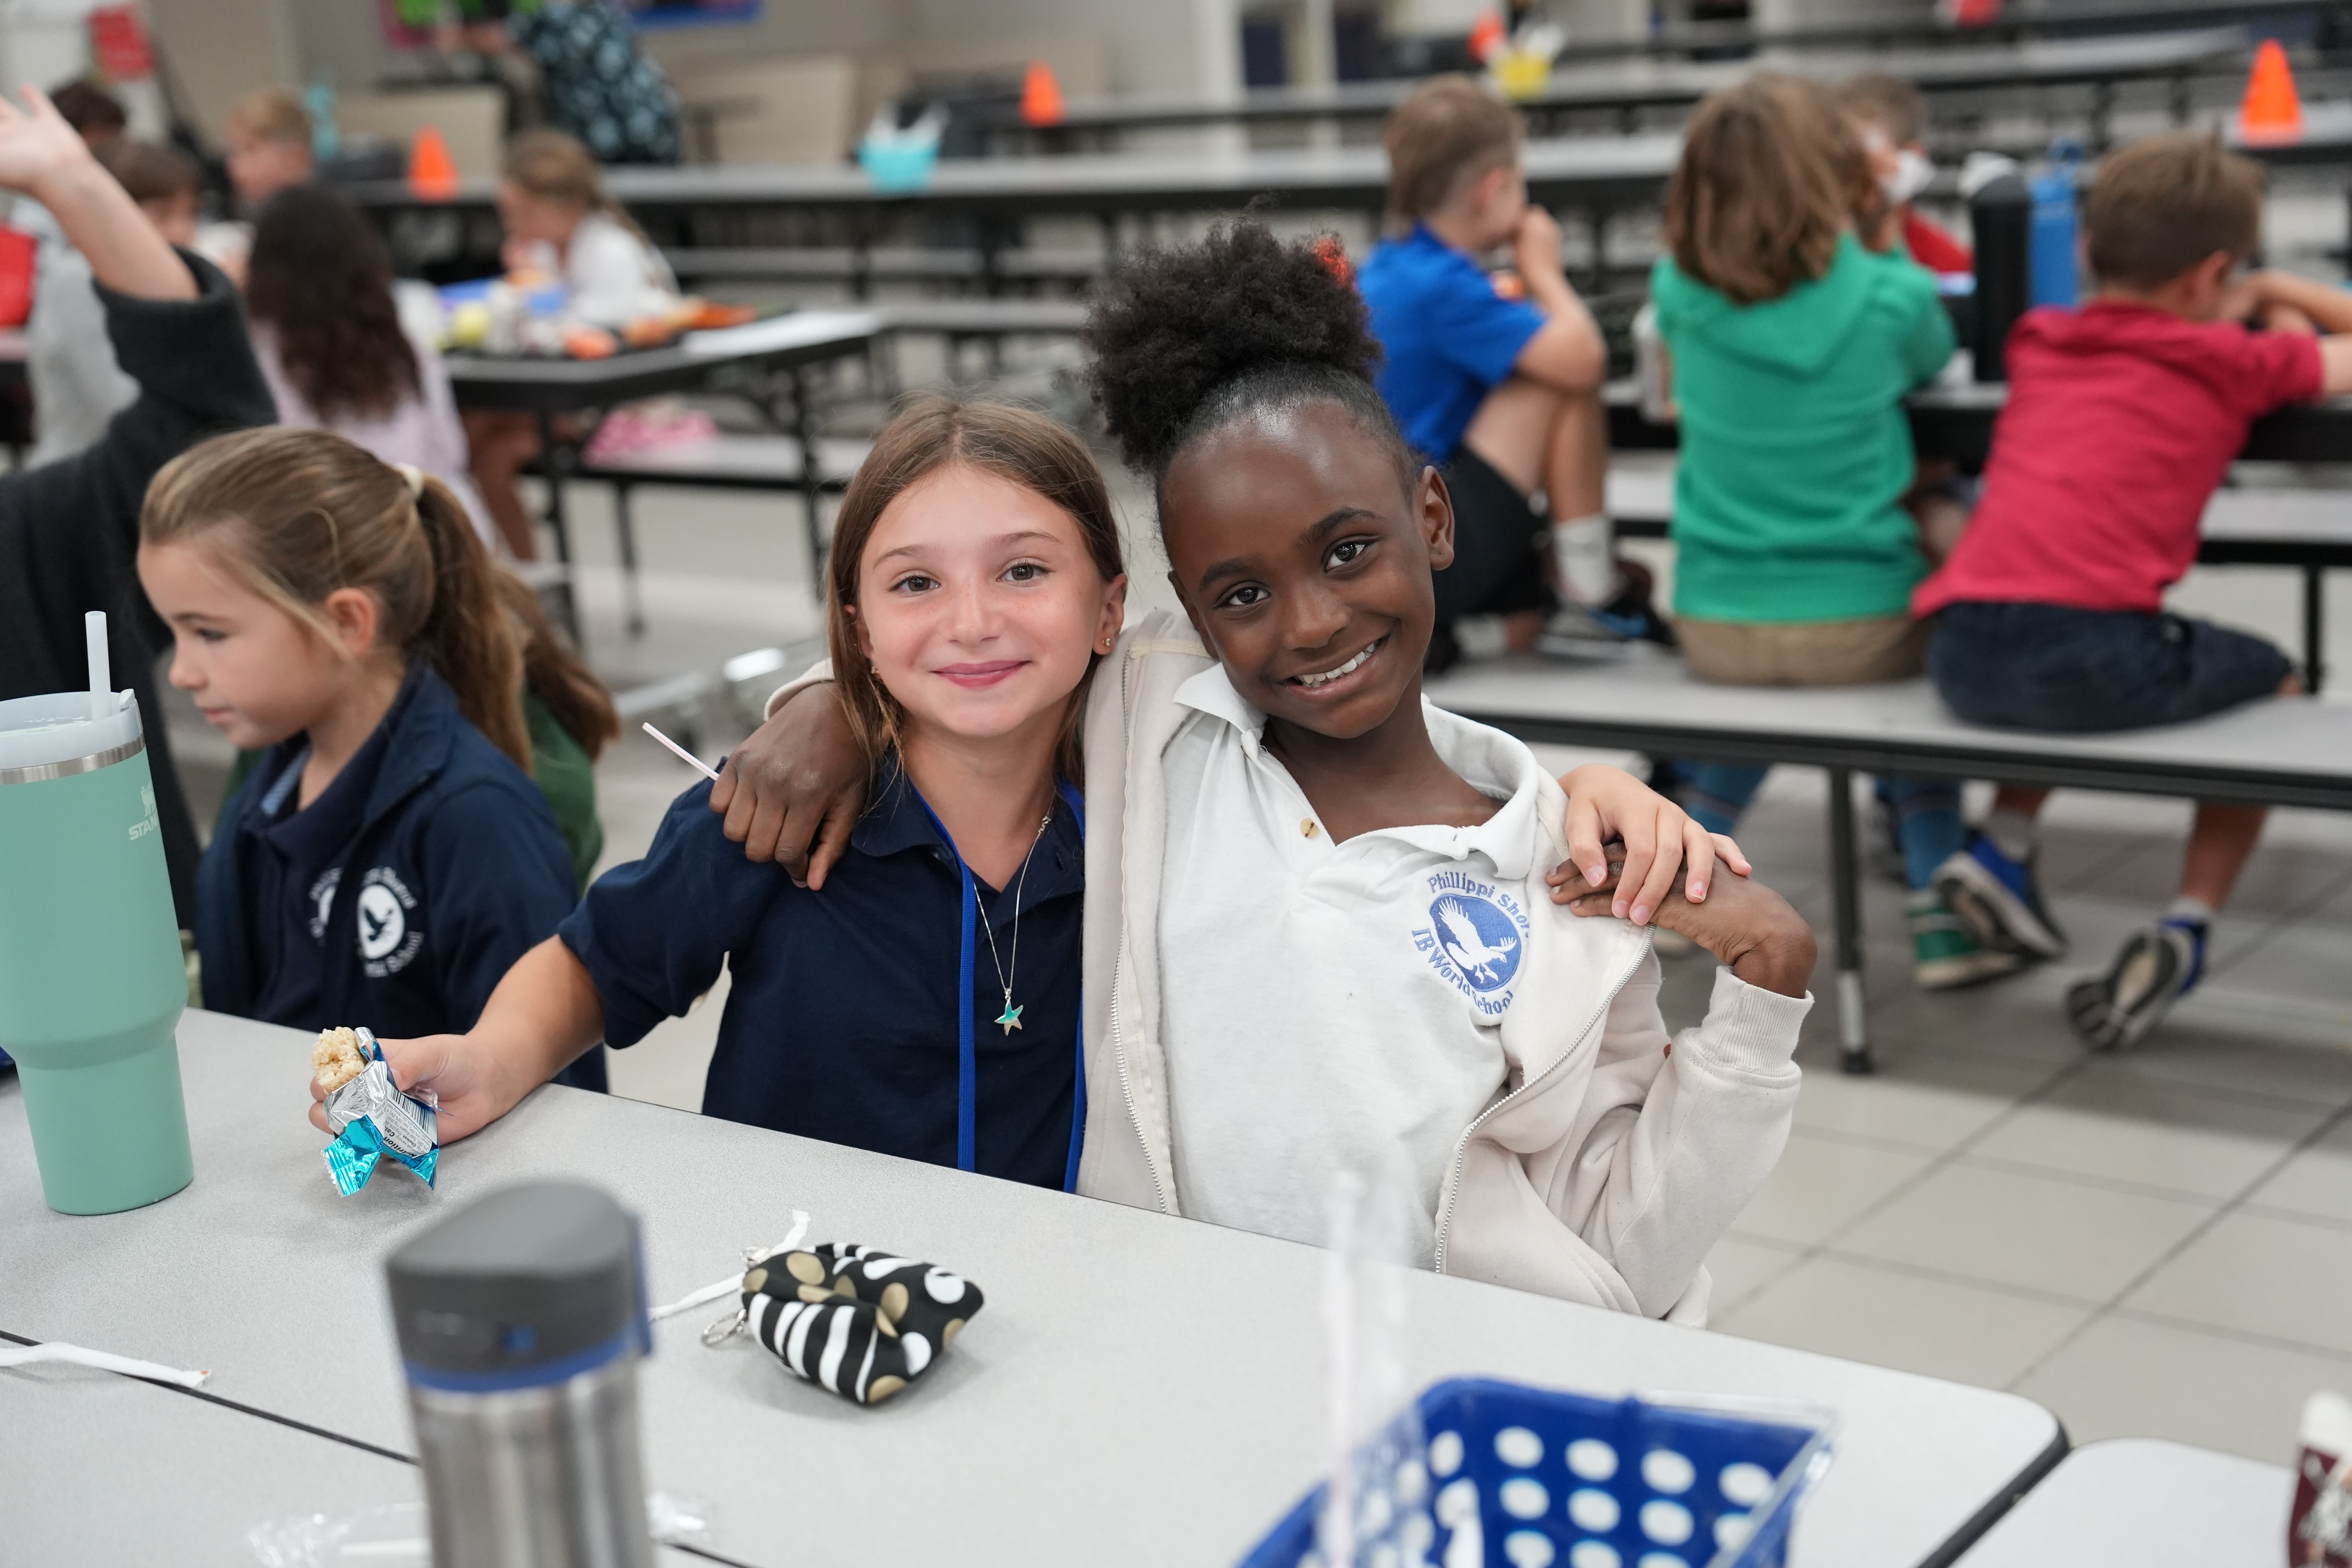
{"x": 1503, "y": 394}
{"x": 2123, "y": 419}
{"x": 269, "y": 145}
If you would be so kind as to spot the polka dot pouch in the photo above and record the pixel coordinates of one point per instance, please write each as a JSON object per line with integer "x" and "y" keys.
{"x": 856, "y": 1319}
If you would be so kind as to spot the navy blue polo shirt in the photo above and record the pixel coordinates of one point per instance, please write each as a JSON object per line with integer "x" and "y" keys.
{"x": 298, "y": 864}
{"x": 1446, "y": 338}
{"x": 848, "y": 1008}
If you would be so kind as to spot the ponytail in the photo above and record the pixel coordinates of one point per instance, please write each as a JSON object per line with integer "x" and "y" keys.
{"x": 467, "y": 636}
{"x": 296, "y": 515}
{"x": 556, "y": 675}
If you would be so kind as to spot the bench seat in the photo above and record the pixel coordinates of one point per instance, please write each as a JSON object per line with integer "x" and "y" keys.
{"x": 2282, "y": 752}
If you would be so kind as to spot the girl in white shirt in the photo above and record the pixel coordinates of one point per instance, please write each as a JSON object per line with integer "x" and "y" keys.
{"x": 559, "y": 221}
{"x": 332, "y": 347}
{"x": 1324, "y": 929}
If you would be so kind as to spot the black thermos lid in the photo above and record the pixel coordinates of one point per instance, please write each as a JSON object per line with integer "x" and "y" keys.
{"x": 525, "y": 1277}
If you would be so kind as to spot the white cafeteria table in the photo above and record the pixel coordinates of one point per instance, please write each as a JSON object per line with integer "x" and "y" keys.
{"x": 1138, "y": 1389}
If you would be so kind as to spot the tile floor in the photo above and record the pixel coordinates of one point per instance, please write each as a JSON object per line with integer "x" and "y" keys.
{"x": 2158, "y": 1243}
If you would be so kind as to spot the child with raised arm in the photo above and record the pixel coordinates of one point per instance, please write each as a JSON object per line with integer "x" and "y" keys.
{"x": 1325, "y": 931}
{"x": 2123, "y": 419}
{"x": 69, "y": 529}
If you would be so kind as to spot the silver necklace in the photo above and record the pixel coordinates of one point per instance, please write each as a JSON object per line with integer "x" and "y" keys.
{"x": 1011, "y": 1018}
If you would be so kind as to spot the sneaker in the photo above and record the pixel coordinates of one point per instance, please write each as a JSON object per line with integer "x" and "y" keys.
{"x": 2157, "y": 967}
{"x": 2001, "y": 900}
{"x": 1945, "y": 952}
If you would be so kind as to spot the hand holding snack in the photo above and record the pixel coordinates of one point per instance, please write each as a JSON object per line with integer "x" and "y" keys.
{"x": 369, "y": 1114}
{"x": 336, "y": 1059}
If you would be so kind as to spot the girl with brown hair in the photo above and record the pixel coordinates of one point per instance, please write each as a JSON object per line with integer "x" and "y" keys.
{"x": 1793, "y": 346}
{"x": 331, "y": 343}
{"x": 389, "y": 856}
{"x": 926, "y": 1003}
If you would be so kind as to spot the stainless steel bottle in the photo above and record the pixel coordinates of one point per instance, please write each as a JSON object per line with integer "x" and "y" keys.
{"x": 521, "y": 1319}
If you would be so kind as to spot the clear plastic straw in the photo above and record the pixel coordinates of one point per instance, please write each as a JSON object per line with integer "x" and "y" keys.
{"x": 102, "y": 670}
{"x": 1378, "y": 1480}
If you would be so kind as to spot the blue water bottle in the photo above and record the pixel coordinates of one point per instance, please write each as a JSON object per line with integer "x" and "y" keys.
{"x": 2055, "y": 265}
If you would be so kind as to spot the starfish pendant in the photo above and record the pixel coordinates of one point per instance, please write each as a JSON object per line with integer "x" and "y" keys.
{"x": 1011, "y": 1018}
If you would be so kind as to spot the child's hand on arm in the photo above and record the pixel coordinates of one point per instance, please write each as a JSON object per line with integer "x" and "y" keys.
{"x": 793, "y": 792}
{"x": 542, "y": 1016}
{"x": 47, "y": 159}
{"x": 1747, "y": 926}
{"x": 1656, "y": 838}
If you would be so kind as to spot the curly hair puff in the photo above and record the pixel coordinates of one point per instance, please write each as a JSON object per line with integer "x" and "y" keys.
{"x": 1185, "y": 341}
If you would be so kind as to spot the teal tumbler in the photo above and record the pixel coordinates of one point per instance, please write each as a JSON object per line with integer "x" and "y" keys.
{"x": 91, "y": 980}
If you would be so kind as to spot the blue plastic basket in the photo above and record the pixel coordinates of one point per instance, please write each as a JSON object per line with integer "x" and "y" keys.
{"x": 1667, "y": 1481}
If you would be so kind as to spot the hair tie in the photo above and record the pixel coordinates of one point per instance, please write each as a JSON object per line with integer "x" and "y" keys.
{"x": 416, "y": 478}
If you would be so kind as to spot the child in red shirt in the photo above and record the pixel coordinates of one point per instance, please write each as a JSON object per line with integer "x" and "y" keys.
{"x": 2123, "y": 419}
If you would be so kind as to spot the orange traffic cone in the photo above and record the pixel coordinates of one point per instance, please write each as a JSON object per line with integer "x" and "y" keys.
{"x": 432, "y": 173}
{"x": 2272, "y": 111}
{"x": 1487, "y": 36}
{"x": 1041, "y": 95}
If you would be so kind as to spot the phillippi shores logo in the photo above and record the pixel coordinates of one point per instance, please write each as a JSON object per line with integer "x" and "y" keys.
{"x": 1474, "y": 940}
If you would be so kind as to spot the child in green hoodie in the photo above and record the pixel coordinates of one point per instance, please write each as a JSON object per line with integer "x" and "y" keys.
{"x": 1792, "y": 346}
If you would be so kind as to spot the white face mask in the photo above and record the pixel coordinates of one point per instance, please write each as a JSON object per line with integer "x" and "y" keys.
{"x": 1912, "y": 172}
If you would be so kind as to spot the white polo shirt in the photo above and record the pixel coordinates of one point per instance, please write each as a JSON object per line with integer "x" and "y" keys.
{"x": 1326, "y": 1006}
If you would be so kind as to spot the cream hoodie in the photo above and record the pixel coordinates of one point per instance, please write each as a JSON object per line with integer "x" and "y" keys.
{"x": 1606, "y": 1171}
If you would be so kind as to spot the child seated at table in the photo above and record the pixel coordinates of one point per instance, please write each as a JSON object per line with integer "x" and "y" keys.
{"x": 1890, "y": 117}
{"x": 2123, "y": 419}
{"x": 561, "y": 225}
{"x": 269, "y": 146}
{"x": 1325, "y": 922}
{"x": 1500, "y": 386}
{"x": 388, "y": 857}
{"x": 1793, "y": 345}
{"x": 330, "y": 338}
{"x": 925, "y": 1004}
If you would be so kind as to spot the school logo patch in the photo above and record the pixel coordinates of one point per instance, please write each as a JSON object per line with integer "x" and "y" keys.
{"x": 389, "y": 934}
{"x": 322, "y": 901}
{"x": 1476, "y": 937}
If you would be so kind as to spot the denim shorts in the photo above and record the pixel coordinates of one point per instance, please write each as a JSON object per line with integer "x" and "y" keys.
{"x": 2054, "y": 668}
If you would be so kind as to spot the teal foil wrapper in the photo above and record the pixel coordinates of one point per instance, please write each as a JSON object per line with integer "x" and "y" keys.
{"x": 373, "y": 1121}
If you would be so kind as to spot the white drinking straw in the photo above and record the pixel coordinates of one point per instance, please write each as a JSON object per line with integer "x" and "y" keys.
{"x": 23, "y": 1355}
{"x": 705, "y": 769}
{"x": 102, "y": 691}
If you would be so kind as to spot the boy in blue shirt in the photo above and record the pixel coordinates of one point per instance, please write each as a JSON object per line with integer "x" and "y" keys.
{"x": 1502, "y": 393}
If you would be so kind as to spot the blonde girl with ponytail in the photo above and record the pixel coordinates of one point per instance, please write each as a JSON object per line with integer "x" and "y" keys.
{"x": 389, "y": 855}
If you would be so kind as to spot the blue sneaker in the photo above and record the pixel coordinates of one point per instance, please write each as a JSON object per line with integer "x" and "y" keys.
{"x": 2000, "y": 899}
{"x": 2157, "y": 967}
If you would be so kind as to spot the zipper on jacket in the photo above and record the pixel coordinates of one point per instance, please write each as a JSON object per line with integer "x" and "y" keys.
{"x": 1127, "y": 1088}
{"x": 1119, "y": 962}
{"x": 1462, "y": 1148}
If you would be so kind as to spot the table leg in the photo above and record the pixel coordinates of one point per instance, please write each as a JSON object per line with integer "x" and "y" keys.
{"x": 558, "y": 457}
{"x": 812, "y": 481}
{"x": 2315, "y": 626}
{"x": 1845, "y": 901}
{"x": 626, "y": 524}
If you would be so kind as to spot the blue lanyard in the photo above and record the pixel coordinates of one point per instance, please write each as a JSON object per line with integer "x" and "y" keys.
{"x": 967, "y": 1049}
